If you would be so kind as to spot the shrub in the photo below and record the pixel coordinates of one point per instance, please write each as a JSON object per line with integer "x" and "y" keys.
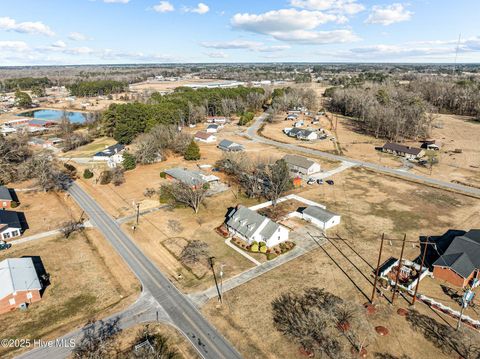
{"x": 163, "y": 175}
{"x": 70, "y": 168}
{"x": 246, "y": 118}
{"x": 105, "y": 177}
{"x": 263, "y": 249}
{"x": 271, "y": 256}
{"x": 254, "y": 248}
{"x": 87, "y": 174}
{"x": 192, "y": 153}
{"x": 13, "y": 204}
{"x": 129, "y": 162}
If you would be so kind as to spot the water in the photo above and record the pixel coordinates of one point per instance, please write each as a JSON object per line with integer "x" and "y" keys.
{"x": 56, "y": 115}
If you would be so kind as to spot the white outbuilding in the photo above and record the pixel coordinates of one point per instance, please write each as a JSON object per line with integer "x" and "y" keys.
{"x": 320, "y": 217}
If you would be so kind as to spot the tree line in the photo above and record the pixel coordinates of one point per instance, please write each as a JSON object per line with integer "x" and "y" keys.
{"x": 185, "y": 106}
{"x": 97, "y": 88}
{"x": 24, "y": 83}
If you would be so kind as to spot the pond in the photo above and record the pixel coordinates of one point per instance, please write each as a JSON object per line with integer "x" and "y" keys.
{"x": 56, "y": 115}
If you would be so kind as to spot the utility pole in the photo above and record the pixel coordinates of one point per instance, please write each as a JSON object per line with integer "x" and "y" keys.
{"x": 399, "y": 267}
{"x": 221, "y": 280}
{"x": 378, "y": 269}
{"x": 138, "y": 212}
{"x": 421, "y": 269}
{"x": 211, "y": 262}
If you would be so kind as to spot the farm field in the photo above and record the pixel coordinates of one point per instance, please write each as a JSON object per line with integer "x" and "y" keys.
{"x": 88, "y": 279}
{"x": 387, "y": 205}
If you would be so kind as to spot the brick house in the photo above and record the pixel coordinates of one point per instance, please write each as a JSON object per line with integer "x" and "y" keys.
{"x": 5, "y": 197}
{"x": 458, "y": 259}
{"x": 19, "y": 284}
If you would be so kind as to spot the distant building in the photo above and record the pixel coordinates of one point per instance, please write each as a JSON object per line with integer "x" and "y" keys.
{"x": 212, "y": 128}
{"x": 217, "y": 119}
{"x": 320, "y": 217}
{"x": 252, "y": 227}
{"x": 10, "y": 225}
{"x": 300, "y": 165}
{"x": 402, "y": 150}
{"x": 307, "y": 135}
{"x": 112, "y": 155}
{"x": 195, "y": 179}
{"x": 205, "y": 137}
{"x": 5, "y": 197}
{"x": 19, "y": 284}
{"x": 41, "y": 123}
{"x": 230, "y": 146}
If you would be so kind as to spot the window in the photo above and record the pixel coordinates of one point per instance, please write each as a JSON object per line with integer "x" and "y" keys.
{"x": 15, "y": 234}
{"x": 6, "y": 235}
{"x": 11, "y": 301}
{"x": 29, "y": 295}
{"x": 4, "y": 204}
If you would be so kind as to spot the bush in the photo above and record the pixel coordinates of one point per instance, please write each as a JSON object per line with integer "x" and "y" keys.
{"x": 163, "y": 175}
{"x": 87, "y": 174}
{"x": 263, "y": 249}
{"x": 192, "y": 153}
{"x": 105, "y": 177}
{"x": 70, "y": 168}
{"x": 13, "y": 204}
{"x": 254, "y": 248}
{"x": 129, "y": 161}
{"x": 246, "y": 118}
{"x": 271, "y": 256}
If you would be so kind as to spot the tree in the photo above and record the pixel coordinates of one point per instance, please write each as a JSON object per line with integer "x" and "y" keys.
{"x": 277, "y": 177}
{"x": 194, "y": 252}
{"x": 70, "y": 227}
{"x": 158, "y": 347}
{"x": 129, "y": 161}
{"x": 192, "y": 153}
{"x": 98, "y": 341}
{"x": 49, "y": 177}
{"x": 38, "y": 91}
{"x": 118, "y": 176}
{"x": 23, "y": 99}
{"x": 189, "y": 195}
{"x": 87, "y": 174}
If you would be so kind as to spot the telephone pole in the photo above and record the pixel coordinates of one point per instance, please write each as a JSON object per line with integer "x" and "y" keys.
{"x": 378, "y": 269}
{"x": 399, "y": 268}
{"x": 138, "y": 212}
{"x": 211, "y": 262}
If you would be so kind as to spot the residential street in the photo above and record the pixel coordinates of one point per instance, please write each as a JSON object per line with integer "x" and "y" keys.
{"x": 181, "y": 312}
{"x": 252, "y": 133}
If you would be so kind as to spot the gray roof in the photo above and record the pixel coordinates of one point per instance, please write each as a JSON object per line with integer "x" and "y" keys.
{"x": 213, "y": 125}
{"x": 402, "y": 148}
{"x": 190, "y": 178}
{"x": 5, "y": 194}
{"x": 463, "y": 254}
{"x": 294, "y": 132}
{"x": 11, "y": 219}
{"x": 227, "y": 144}
{"x": 247, "y": 222}
{"x": 18, "y": 274}
{"x": 298, "y": 161}
{"x": 110, "y": 151}
{"x": 319, "y": 213}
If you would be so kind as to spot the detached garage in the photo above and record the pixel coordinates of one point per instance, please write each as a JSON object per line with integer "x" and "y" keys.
{"x": 320, "y": 217}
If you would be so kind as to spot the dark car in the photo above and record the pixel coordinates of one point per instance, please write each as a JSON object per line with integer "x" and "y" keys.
{"x": 330, "y": 182}
{"x": 320, "y": 181}
{"x": 4, "y": 245}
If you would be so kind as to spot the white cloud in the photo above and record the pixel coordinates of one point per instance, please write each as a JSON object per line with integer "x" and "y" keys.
{"x": 294, "y": 25}
{"x": 77, "y": 36}
{"x": 349, "y": 7}
{"x": 60, "y": 44}
{"x": 217, "y": 55}
{"x": 164, "y": 6}
{"x": 116, "y": 1}
{"x": 200, "y": 9}
{"x": 9, "y": 24}
{"x": 13, "y": 46}
{"x": 389, "y": 14}
{"x": 244, "y": 44}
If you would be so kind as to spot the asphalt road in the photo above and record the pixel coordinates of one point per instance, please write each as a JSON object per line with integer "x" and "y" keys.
{"x": 180, "y": 310}
{"x": 252, "y": 133}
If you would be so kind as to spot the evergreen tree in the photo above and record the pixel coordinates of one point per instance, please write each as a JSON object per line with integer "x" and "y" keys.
{"x": 23, "y": 99}
{"x": 192, "y": 153}
{"x": 129, "y": 161}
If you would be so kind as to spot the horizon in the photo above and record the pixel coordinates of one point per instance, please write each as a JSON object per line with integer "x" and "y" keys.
{"x": 152, "y": 32}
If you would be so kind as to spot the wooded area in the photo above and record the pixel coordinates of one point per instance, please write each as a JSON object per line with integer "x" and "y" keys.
{"x": 97, "y": 88}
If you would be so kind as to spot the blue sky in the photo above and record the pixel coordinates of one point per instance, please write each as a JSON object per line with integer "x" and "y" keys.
{"x": 150, "y": 31}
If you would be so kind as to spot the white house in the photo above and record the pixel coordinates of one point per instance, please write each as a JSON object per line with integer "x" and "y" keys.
{"x": 213, "y": 128}
{"x": 230, "y": 146}
{"x": 320, "y": 217}
{"x": 252, "y": 227}
{"x": 298, "y": 124}
{"x": 205, "y": 137}
{"x": 10, "y": 225}
{"x": 301, "y": 165}
{"x": 112, "y": 155}
{"x": 307, "y": 135}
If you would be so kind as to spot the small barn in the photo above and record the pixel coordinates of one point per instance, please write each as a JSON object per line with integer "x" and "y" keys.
{"x": 320, "y": 217}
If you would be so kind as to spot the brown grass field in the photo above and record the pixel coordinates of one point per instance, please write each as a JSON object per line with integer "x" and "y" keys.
{"x": 88, "y": 281}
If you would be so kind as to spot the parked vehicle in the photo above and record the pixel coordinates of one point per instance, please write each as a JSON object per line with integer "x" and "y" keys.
{"x": 4, "y": 245}
{"x": 310, "y": 181}
{"x": 320, "y": 181}
{"x": 330, "y": 182}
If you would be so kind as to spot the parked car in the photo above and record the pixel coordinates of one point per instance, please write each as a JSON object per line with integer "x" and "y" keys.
{"x": 4, "y": 245}
{"x": 330, "y": 182}
{"x": 310, "y": 181}
{"x": 320, "y": 181}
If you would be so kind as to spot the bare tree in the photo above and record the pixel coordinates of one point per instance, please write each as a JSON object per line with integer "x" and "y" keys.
{"x": 277, "y": 180}
{"x": 118, "y": 176}
{"x": 150, "y": 344}
{"x": 189, "y": 195}
{"x": 70, "y": 227}
{"x": 98, "y": 341}
{"x": 195, "y": 251}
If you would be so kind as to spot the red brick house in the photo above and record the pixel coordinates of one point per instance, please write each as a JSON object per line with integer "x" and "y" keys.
{"x": 19, "y": 284}
{"x": 5, "y": 197}
{"x": 460, "y": 262}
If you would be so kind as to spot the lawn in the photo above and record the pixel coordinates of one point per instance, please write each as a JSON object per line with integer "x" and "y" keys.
{"x": 88, "y": 281}
{"x": 90, "y": 149}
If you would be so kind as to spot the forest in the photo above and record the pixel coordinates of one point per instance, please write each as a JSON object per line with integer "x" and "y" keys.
{"x": 24, "y": 83}
{"x": 185, "y": 106}
{"x": 97, "y": 88}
